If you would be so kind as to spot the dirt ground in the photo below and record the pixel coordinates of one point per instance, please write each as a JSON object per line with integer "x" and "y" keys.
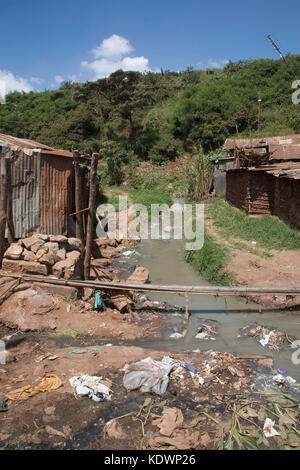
{"x": 192, "y": 411}
{"x": 21, "y": 311}
{"x": 280, "y": 270}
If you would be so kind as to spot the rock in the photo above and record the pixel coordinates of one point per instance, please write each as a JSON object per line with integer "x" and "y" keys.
{"x": 37, "y": 246}
{"x": 14, "y": 251}
{"x": 40, "y": 253}
{"x": 29, "y": 267}
{"x": 58, "y": 239}
{"x": 70, "y": 268}
{"x": 31, "y": 241}
{"x": 49, "y": 259}
{"x": 87, "y": 293}
{"x": 61, "y": 253}
{"x": 108, "y": 252}
{"x": 105, "y": 241}
{"x": 52, "y": 247}
{"x": 58, "y": 269}
{"x": 74, "y": 244}
{"x": 140, "y": 276}
{"x": 120, "y": 302}
{"x": 28, "y": 255}
{"x": 147, "y": 304}
{"x": 100, "y": 262}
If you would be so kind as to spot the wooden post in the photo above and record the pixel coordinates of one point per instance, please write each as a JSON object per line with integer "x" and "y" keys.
{"x": 91, "y": 215}
{"x": 9, "y": 209}
{"x": 187, "y": 314}
{"x": 78, "y": 203}
{"x": 3, "y": 206}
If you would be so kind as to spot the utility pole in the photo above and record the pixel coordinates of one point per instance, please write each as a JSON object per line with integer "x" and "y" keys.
{"x": 281, "y": 55}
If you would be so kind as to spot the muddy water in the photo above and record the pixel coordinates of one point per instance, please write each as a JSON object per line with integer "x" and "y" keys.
{"x": 164, "y": 259}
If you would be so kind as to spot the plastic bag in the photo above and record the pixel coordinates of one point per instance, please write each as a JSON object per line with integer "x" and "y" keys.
{"x": 149, "y": 375}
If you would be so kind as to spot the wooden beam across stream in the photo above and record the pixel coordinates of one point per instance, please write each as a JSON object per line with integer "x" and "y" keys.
{"x": 176, "y": 289}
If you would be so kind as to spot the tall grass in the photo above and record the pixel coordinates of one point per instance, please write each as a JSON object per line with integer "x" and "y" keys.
{"x": 211, "y": 261}
{"x": 266, "y": 230}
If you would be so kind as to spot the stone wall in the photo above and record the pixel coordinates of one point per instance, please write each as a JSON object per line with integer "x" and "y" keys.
{"x": 44, "y": 255}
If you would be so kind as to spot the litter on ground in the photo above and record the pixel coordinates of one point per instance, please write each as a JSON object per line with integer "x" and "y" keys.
{"x": 91, "y": 386}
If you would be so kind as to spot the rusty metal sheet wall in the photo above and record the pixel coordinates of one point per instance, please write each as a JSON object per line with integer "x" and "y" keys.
{"x": 54, "y": 194}
{"x": 25, "y": 178}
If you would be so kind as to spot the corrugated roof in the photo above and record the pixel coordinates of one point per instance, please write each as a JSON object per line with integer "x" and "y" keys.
{"x": 281, "y": 170}
{"x": 22, "y": 143}
{"x": 283, "y": 147}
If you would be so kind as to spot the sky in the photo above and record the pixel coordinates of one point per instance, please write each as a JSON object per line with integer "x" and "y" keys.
{"x": 44, "y": 43}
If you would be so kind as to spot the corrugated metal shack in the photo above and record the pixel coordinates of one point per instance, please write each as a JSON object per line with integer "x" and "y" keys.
{"x": 42, "y": 183}
{"x": 266, "y": 177}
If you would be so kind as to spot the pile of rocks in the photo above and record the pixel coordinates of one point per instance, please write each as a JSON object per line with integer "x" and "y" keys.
{"x": 45, "y": 254}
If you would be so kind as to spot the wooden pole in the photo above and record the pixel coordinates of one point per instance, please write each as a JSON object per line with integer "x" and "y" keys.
{"x": 187, "y": 315}
{"x": 78, "y": 204}
{"x": 9, "y": 210}
{"x": 3, "y": 205}
{"x": 91, "y": 215}
{"x": 194, "y": 290}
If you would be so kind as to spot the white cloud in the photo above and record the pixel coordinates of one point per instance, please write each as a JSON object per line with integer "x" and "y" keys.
{"x": 36, "y": 80}
{"x": 104, "y": 67}
{"x": 58, "y": 79}
{"x": 11, "y": 83}
{"x": 113, "y": 47}
{"x": 111, "y": 55}
{"x": 217, "y": 64}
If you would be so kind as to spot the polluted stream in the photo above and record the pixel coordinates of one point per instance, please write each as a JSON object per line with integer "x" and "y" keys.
{"x": 229, "y": 314}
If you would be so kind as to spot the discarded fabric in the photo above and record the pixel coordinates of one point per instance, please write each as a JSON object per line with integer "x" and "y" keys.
{"x": 51, "y": 382}
{"x": 91, "y": 386}
{"x": 83, "y": 351}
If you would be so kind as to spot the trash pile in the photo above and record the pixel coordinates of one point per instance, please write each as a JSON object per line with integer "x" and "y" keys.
{"x": 278, "y": 383}
{"x": 45, "y": 254}
{"x": 266, "y": 336}
{"x": 153, "y": 376}
{"x": 207, "y": 331}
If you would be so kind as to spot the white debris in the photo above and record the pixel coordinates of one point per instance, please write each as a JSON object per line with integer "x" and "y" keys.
{"x": 265, "y": 339}
{"x": 176, "y": 336}
{"x": 269, "y": 430}
{"x": 281, "y": 379}
{"x": 91, "y": 386}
